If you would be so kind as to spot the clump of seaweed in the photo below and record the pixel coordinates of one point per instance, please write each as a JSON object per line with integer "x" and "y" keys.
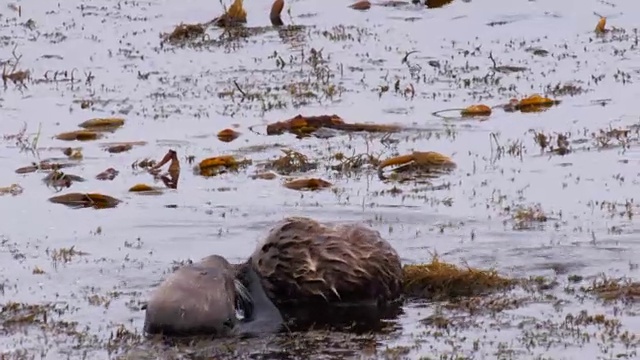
{"x": 292, "y": 161}
{"x": 228, "y": 135}
{"x": 59, "y": 180}
{"x": 185, "y": 32}
{"x": 361, "y": 5}
{"x": 219, "y": 164}
{"x": 15, "y": 314}
{"x": 307, "y": 184}
{"x": 145, "y": 189}
{"x": 439, "y": 280}
{"x": 172, "y": 176}
{"x": 527, "y": 217}
{"x": 85, "y": 200}
{"x": 302, "y": 126}
{"x": 65, "y": 255}
{"x": 609, "y": 289}
{"x": 43, "y": 166}
{"x": 102, "y": 124}
{"x": 109, "y": 174}
{"x": 18, "y": 77}
{"x": 426, "y": 163}
{"x": 236, "y": 15}
{"x": 23, "y": 141}
{"x": 355, "y": 162}
{"x": 13, "y": 189}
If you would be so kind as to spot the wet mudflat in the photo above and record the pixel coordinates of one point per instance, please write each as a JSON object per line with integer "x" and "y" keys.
{"x": 547, "y": 195}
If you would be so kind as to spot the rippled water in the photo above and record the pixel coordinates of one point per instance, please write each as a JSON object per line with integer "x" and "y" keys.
{"x": 178, "y": 107}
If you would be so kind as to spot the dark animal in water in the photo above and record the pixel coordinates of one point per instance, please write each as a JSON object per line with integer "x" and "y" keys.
{"x": 198, "y": 298}
{"x": 305, "y": 264}
{"x": 302, "y": 265}
{"x": 204, "y": 298}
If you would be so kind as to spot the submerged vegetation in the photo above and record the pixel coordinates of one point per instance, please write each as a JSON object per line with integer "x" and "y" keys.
{"x": 511, "y": 154}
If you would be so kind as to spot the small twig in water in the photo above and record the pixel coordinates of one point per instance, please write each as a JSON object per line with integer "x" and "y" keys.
{"x": 239, "y": 89}
{"x": 406, "y": 57}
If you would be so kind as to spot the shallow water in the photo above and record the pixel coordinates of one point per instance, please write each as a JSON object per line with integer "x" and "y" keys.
{"x": 178, "y": 108}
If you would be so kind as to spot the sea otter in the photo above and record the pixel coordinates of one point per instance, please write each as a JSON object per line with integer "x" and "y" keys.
{"x": 203, "y": 298}
{"x": 301, "y": 269}
{"x": 306, "y": 267}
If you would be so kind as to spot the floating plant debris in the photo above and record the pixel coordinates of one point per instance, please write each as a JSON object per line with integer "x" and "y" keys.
{"x": 43, "y": 166}
{"x": 184, "y": 32}
{"x": 215, "y": 165}
{"x": 79, "y": 135}
{"x": 13, "y": 189}
{"x": 291, "y": 161}
{"x": 85, "y": 200}
{"x": 228, "y": 135}
{"x": 276, "y": 10}
{"x": 601, "y": 26}
{"x": 73, "y": 154}
{"x": 172, "y": 176}
{"x": 108, "y": 174}
{"x": 115, "y": 149}
{"x": 234, "y": 16}
{"x": 476, "y": 110}
{"x": 307, "y": 184}
{"x": 533, "y": 103}
{"x": 58, "y": 179}
{"x": 439, "y": 280}
{"x": 361, "y": 5}
{"x": 145, "y": 189}
{"x": 301, "y": 125}
{"x": 430, "y": 162}
{"x": 434, "y": 4}
{"x": 102, "y": 124}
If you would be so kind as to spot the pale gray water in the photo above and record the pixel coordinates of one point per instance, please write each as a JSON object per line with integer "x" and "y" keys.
{"x": 116, "y": 40}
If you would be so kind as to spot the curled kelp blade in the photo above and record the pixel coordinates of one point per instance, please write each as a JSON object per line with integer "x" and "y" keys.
{"x": 79, "y": 135}
{"x": 84, "y": 200}
{"x": 100, "y": 124}
{"x": 43, "y": 166}
{"x": 424, "y": 162}
{"x": 307, "y": 184}
{"x": 228, "y": 135}
{"x": 145, "y": 189}
{"x": 302, "y": 126}
{"x": 218, "y": 164}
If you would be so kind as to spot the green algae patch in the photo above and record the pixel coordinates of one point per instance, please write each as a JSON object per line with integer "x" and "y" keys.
{"x": 439, "y": 280}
